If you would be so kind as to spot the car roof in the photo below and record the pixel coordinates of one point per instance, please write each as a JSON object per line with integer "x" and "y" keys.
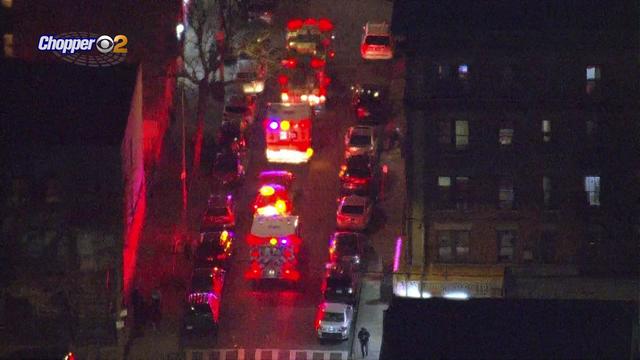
{"x": 334, "y": 307}
{"x": 361, "y": 130}
{"x": 276, "y": 226}
{"x": 355, "y": 200}
{"x": 218, "y": 200}
{"x": 377, "y": 28}
{"x": 359, "y": 160}
{"x": 349, "y": 235}
{"x": 289, "y": 111}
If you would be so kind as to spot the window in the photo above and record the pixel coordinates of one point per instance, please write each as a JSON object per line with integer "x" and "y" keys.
{"x": 462, "y": 193}
{"x": 443, "y": 71}
{"x": 462, "y": 134}
{"x": 453, "y": 245}
{"x": 546, "y": 190}
{"x": 547, "y": 247}
{"x": 593, "y": 72}
{"x": 591, "y": 126}
{"x": 505, "y": 136}
{"x": 592, "y": 188}
{"x": 593, "y": 76}
{"x": 444, "y": 192}
{"x": 505, "y": 193}
{"x": 506, "y": 245}
{"x": 7, "y": 3}
{"x": 444, "y": 132}
{"x": 546, "y": 130}
{"x": 463, "y": 71}
{"x": 7, "y": 40}
{"x": 453, "y": 191}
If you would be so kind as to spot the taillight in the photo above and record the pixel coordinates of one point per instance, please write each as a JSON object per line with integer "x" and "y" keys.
{"x": 361, "y": 112}
{"x": 317, "y": 63}
{"x": 364, "y": 48}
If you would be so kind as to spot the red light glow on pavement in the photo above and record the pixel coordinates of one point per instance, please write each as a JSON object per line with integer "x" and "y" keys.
{"x": 132, "y": 239}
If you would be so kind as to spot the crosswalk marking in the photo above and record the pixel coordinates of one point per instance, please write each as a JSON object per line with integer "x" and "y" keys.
{"x": 264, "y": 354}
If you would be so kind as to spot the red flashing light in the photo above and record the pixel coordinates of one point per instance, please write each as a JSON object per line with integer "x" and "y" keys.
{"x": 289, "y": 63}
{"x": 294, "y": 24}
{"x": 283, "y": 80}
{"x": 325, "y": 25}
{"x": 332, "y": 54}
{"x": 317, "y": 63}
{"x": 361, "y": 112}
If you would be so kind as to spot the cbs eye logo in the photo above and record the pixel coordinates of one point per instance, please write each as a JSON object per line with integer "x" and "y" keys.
{"x": 105, "y": 44}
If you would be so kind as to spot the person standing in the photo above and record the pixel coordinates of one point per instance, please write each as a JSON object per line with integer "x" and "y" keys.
{"x": 363, "y": 336}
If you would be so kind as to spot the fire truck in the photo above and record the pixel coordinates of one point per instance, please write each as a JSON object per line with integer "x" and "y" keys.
{"x": 303, "y": 79}
{"x": 274, "y": 244}
{"x": 287, "y": 129}
{"x": 310, "y": 36}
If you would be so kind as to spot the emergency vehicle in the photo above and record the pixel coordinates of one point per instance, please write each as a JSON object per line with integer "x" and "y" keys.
{"x": 287, "y": 129}
{"x": 310, "y": 36}
{"x": 303, "y": 79}
{"x": 274, "y": 244}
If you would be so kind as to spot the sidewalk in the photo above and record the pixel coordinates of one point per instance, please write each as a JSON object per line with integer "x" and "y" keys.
{"x": 373, "y": 302}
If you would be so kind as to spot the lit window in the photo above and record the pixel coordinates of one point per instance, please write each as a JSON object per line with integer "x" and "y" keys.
{"x": 546, "y": 130}
{"x": 505, "y": 193}
{"x": 462, "y": 134}
{"x": 506, "y": 245}
{"x": 505, "y": 136}
{"x": 546, "y": 189}
{"x": 7, "y": 3}
{"x": 593, "y": 72}
{"x": 453, "y": 246}
{"x": 7, "y": 40}
{"x": 444, "y": 192}
{"x": 593, "y": 76}
{"x": 463, "y": 71}
{"x": 592, "y": 188}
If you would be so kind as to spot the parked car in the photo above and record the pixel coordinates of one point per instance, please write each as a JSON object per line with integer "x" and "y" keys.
{"x": 228, "y": 168}
{"x": 334, "y": 321}
{"x": 250, "y": 75}
{"x": 376, "y": 43}
{"x": 219, "y": 214}
{"x": 347, "y": 247}
{"x": 359, "y": 140}
{"x": 203, "y": 301}
{"x": 239, "y": 108}
{"x": 370, "y": 102}
{"x": 354, "y": 212}
{"x": 340, "y": 284}
{"x": 230, "y": 137}
{"x": 201, "y": 314}
{"x": 214, "y": 250}
{"x": 359, "y": 175}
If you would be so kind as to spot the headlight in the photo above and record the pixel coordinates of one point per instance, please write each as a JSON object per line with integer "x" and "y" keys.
{"x": 356, "y": 259}
{"x": 350, "y": 291}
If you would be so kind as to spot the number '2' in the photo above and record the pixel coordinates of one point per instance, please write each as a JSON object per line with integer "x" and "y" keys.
{"x": 120, "y": 43}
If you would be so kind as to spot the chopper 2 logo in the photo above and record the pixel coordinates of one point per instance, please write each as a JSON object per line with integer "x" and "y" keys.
{"x": 86, "y": 49}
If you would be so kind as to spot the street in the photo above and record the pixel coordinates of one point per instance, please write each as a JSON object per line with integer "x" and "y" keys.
{"x": 275, "y": 323}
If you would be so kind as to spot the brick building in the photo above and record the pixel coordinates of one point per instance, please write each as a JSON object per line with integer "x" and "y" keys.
{"x": 522, "y": 136}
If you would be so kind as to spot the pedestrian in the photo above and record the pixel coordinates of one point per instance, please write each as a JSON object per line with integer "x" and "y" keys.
{"x": 363, "y": 336}
{"x": 156, "y": 313}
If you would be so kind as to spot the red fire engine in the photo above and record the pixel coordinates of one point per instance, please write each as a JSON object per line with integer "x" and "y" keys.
{"x": 287, "y": 129}
{"x": 274, "y": 246}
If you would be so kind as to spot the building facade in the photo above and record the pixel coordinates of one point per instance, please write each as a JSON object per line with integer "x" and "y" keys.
{"x": 522, "y": 129}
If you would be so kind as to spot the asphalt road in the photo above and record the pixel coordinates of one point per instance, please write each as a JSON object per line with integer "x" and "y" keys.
{"x": 282, "y": 318}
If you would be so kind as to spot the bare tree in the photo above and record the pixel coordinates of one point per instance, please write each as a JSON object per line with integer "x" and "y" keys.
{"x": 201, "y": 59}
